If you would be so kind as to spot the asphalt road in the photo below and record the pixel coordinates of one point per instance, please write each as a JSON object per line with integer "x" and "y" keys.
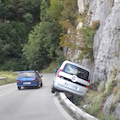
{"x": 31, "y": 104}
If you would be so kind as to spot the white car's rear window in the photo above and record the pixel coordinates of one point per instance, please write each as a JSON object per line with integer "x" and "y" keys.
{"x": 75, "y": 70}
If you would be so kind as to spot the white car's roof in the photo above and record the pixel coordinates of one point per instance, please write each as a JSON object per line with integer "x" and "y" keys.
{"x": 66, "y": 61}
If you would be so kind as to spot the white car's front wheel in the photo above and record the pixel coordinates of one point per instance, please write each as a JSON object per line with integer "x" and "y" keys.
{"x": 53, "y": 89}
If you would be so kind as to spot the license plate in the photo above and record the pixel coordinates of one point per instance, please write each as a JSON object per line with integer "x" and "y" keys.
{"x": 71, "y": 86}
{"x": 26, "y": 83}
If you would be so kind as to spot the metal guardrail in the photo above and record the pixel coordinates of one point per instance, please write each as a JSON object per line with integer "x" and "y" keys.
{"x": 2, "y": 78}
{"x": 78, "y": 113}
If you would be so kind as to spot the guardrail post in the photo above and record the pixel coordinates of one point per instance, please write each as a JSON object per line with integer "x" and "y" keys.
{"x": 2, "y": 78}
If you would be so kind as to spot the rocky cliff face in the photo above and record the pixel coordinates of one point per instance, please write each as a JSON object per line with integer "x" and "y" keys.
{"x": 106, "y": 44}
{"x": 107, "y": 38}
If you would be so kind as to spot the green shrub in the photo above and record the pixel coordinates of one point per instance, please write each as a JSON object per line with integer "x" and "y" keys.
{"x": 87, "y": 43}
{"x": 14, "y": 64}
{"x": 93, "y": 110}
{"x": 112, "y": 82}
{"x": 101, "y": 86}
{"x": 101, "y": 116}
{"x": 50, "y": 68}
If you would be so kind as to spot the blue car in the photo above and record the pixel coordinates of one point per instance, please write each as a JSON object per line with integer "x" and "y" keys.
{"x": 29, "y": 78}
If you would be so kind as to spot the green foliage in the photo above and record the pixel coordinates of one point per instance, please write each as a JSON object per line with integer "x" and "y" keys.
{"x": 15, "y": 23}
{"x": 95, "y": 99}
{"x": 87, "y": 33}
{"x": 16, "y": 9}
{"x": 18, "y": 17}
{"x": 87, "y": 38}
{"x": 50, "y": 68}
{"x": 69, "y": 11}
{"x": 101, "y": 86}
{"x": 3, "y": 10}
{"x": 76, "y": 99}
{"x": 14, "y": 64}
{"x": 12, "y": 37}
{"x": 56, "y": 8}
{"x": 43, "y": 9}
{"x": 112, "y": 82}
{"x": 68, "y": 39}
{"x": 34, "y": 50}
{"x": 60, "y": 57}
{"x": 101, "y": 116}
{"x": 81, "y": 39}
{"x": 95, "y": 108}
{"x": 73, "y": 41}
{"x": 42, "y": 46}
{"x": 28, "y": 17}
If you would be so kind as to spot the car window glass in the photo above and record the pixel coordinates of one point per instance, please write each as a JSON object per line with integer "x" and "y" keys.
{"x": 82, "y": 73}
{"x": 26, "y": 74}
{"x": 71, "y": 69}
{"x": 37, "y": 75}
{"x": 74, "y": 70}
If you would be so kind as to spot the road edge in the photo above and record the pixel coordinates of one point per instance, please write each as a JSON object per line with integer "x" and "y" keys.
{"x": 76, "y": 112}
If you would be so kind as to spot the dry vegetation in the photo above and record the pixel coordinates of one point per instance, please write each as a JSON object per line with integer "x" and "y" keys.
{"x": 10, "y": 77}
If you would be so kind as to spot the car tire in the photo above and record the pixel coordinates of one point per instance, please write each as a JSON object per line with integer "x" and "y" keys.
{"x": 53, "y": 89}
{"x": 37, "y": 86}
{"x": 19, "y": 88}
{"x": 41, "y": 84}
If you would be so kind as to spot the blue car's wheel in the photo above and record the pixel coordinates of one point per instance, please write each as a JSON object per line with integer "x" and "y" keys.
{"x": 19, "y": 88}
{"x": 41, "y": 84}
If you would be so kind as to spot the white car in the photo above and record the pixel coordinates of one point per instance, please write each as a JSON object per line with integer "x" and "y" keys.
{"x": 71, "y": 78}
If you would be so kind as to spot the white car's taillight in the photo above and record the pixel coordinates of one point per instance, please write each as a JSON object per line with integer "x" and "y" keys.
{"x": 58, "y": 75}
{"x": 88, "y": 81}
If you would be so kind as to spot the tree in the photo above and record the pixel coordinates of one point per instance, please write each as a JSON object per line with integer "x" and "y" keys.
{"x": 43, "y": 9}
{"x": 34, "y": 49}
{"x": 15, "y": 9}
{"x": 3, "y": 10}
{"x": 56, "y": 8}
{"x": 43, "y": 43}
{"x": 28, "y": 18}
{"x": 12, "y": 38}
{"x": 17, "y": 17}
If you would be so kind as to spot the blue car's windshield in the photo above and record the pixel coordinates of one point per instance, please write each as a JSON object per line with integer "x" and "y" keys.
{"x": 26, "y": 74}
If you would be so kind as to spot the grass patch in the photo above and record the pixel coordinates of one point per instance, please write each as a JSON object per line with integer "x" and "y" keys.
{"x": 110, "y": 85}
{"x": 10, "y": 77}
{"x": 107, "y": 117}
{"x": 50, "y": 68}
{"x": 93, "y": 102}
{"x": 95, "y": 99}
